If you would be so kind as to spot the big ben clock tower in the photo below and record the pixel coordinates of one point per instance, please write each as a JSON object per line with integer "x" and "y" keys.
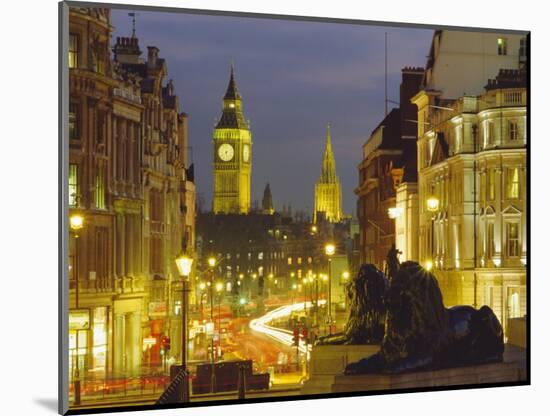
{"x": 232, "y": 147}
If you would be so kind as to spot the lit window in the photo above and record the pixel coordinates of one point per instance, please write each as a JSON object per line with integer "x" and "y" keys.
{"x": 523, "y": 48}
{"x": 73, "y": 185}
{"x": 513, "y": 131}
{"x": 491, "y": 184}
{"x": 489, "y": 133}
{"x": 261, "y": 255}
{"x": 100, "y": 188}
{"x": 502, "y": 46}
{"x": 74, "y": 121}
{"x": 73, "y": 50}
{"x": 490, "y": 240}
{"x": 513, "y": 183}
{"x": 512, "y": 238}
{"x": 299, "y": 260}
{"x": 289, "y": 261}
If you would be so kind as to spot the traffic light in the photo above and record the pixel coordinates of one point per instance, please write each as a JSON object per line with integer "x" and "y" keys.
{"x": 296, "y": 337}
{"x": 164, "y": 343}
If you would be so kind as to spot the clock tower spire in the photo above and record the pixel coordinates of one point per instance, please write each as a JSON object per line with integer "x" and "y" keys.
{"x": 232, "y": 144}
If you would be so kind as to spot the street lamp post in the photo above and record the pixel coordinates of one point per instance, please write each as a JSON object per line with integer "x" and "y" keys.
{"x": 219, "y": 288}
{"x": 330, "y": 249}
{"x": 76, "y": 222}
{"x": 212, "y": 264}
{"x": 432, "y": 205}
{"x": 184, "y": 263}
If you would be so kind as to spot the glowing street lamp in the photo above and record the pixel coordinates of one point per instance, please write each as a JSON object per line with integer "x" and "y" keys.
{"x": 345, "y": 275}
{"x": 184, "y": 264}
{"x": 219, "y": 288}
{"x": 76, "y": 223}
{"x": 212, "y": 261}
{"x": 394, "y": 212}
{"x": 330, "y": 249}
{"x": 429, "y": 265}
{"x": 432, "y": 204}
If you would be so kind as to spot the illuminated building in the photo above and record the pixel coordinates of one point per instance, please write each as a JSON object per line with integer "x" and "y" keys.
{"x": 328, "y": 190}
{"x": 261, "y": 244}
{"x": 472, "y": 161}
{"x": 168, "y": 195}
{"x": 232, "y": 148}
{"x": 388, "y": 169}
{"x": 267, "y": 201}
{"x": 91, "y": 252}
{"x": 128, "y": 180}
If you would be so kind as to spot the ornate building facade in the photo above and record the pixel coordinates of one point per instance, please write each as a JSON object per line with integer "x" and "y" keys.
{"x": 328, "y": 190}
{"x": 168, "y": 193}
{"x": 472, "y": 141}
{"x": 474, "y": 165}
{"x": 232, "y": 147}
{"x": 128, "y": 180}
{"x": 93, "y": 278}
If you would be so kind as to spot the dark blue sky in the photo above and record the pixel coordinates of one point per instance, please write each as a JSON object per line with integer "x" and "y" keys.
{"x": 295, "y": 77}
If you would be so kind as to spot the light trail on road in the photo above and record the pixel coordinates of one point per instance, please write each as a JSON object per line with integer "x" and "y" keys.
{"x": 284, "y": 336}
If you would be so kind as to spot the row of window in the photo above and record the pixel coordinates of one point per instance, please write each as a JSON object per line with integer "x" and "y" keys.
{"x": 502, "y": 47}
{"x": 512, "y": 190}
{"x": 98, "y": 54}
{"x": 512, "y": 132}
{"x": 512, "y": 241}
{"x": 512, "y": 183}
{"x": 99, "y": 186}
{"x": 273, "y": 255}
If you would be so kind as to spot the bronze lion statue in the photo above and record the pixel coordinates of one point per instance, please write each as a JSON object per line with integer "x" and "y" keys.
{"x": 422, "y": 334}
{"x": 365, "y": 295}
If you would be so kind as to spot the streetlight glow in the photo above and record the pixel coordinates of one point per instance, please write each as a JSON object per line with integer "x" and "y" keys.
{"x": 76, "y": 222}
{"x": 184, "y": 263}
{"x": 345, "y": 275}
{"x": 429, "y": 265}
{"x": 211, "y": 261}
{"x": 219, "y": 287}
{"x": 432, "y": 204}
{"x": 330, "y": 249}
{"x": 394, "y": 212}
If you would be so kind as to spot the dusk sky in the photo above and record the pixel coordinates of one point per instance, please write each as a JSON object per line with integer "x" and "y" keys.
{"x": 294, "y": 77}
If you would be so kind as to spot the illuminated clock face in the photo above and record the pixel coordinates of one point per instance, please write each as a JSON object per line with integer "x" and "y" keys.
{"x": 226, "y": 152}
{"x": 246, "y": 152}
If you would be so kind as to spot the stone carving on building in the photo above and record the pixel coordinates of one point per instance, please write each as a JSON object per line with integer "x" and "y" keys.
{"x": 422, "y": 334}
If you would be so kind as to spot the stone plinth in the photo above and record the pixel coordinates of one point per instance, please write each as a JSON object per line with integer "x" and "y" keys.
{"x": 328, "y": 361}
{"x": 512, "y": 369}
{"x": 517, "y": 332}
